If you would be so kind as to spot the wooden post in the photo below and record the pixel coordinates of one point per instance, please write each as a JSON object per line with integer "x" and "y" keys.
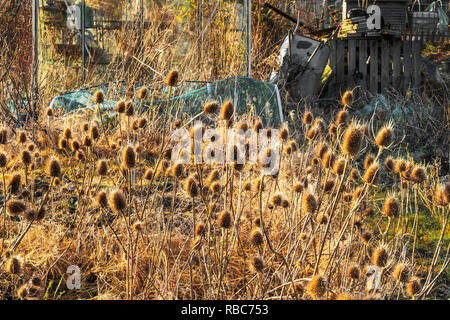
{"x": 35, "y": 58}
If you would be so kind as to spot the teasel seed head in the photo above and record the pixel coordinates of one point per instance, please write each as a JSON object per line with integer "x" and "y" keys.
{"x": 129, "y": 108}
{"x": 342, "y": 118}
{"x": 191, "y": 187}
{"x": 293, "y": 145}
{"x": 13, "y": 266}
{"x": 380, "y": 257}
{"x": 400, "y": 165}
{"x": 308, "y": 118}
{"x": 332, "y": 130}
{"x": 210, "y": 107}
{"x": 120, "y": 108}
{"x": 317, "y": 287}
{"x": 148, "y": 174}
{"x": 312, "y": 133}
{"x": 102, "y": 199}
{"x": 26, "y": 157}
{"x": 258, "y": 126}
{"x": 351, "y": 141}
{"x": 303, "y": 236}
{"x": 102, "y": 167}
{"x": 200, "y": 230}
{"x": 13, "y": 183}
{"x": 257, "y": 185}
{"x": 22, "y": 293}
{"x": 309, "y": 203}
{"x": 54, "y": 168}
{"x": 354, "y": 272}
{"x": 389, "y": 165}
{"x": 256, "y": 237}
{"x": 87, "y": 142}
{"x": 98, "y": 97}
{"x": 371, "y": 174}
{"x": 413, "y": 287}
{"x": 418, "y": 174}
{"x": 391, "y": 207}
{"x": 75, "y": 145}
{"x": 216, "y": 187}
{"x": 95, "y": 133}
{"x": 354, "y": 175}
{"x": 3, "y": 136}
{"x": 384, "y": 136}
{"x": 21, "y": 137}
{"x": 322, "y": 219}
{"x": 172, "y": 78}
{"x": 347, "y": 98}
{"x": 142, "y": 93}
{"x": 284, "y": 134}
{"x": 224, "y": 220}
{"x": 15, "y": 207}
{"x": 298, "y": 187}
{"x": 338, "y": 166}
{"x": 117, "y": 201}
{"x": 401, "y": 272}
{"x": 321, "y": 149}
{"x": 368, "y": 160}
{"x": 328, "y": 159}
{"x": 227, "y": 110}
{"x": 128, "y": 157}
{"x": 178, "y": 170}
{"x": 329, "y": 184}
{"x": 366, "y": 236}
{"x": 3, "y": 160}
{"x": 276, "y": 200}
{"x": 79, "y": 155}
{"x": 63, "y": 143}
{"x": 257, "y": 264}
{"x": 247, "y": 186}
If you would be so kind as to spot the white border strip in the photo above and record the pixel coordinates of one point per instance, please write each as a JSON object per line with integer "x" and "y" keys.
{"x": 280, "y": 109}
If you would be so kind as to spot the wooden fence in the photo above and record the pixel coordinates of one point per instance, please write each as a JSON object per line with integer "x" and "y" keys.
{"x": 377, "y": 64}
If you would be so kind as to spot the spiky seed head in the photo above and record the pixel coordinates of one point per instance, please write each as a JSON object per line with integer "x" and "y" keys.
{"x": 22, "y": 293}
{"x": 353, "y": 272}
{"x": 257, "y": 126}
{"x": 15, "y": 207}
{"x": 256, "y": 237}
{"x": 224, "y": 220}
{"x": 102, "y": 199}
{"x": 200, "y": 230}
{"x": 321, "y": 149}
{"x": 79, "y": 155}
{"x": 351, "y": 141}
{"x": 54, "y": 168}
{"x": 67, "y": 133}
{"x": 95, "y": 133}
{"x": 213, "y": 176}
{"x": 328, "y": 159}
{"x": 178, "y": 170}
{"x": 371, "y": 174}
{"x": 257, "y": 264}
{"x": 368, "y": 160}
{"x": 446, "y": 193}
{"x": 128, "y": 157}
{"x": 308, "y": 118}
{"x": 210, "y": 107}
{"x": 342, "y": 118}
{"x": 98, "y": 97}
{"x": 13, "y": 183}
{"x": 138, "y": 226}
{"x": 400, "y": 165}
{"x": 384, "y": 136}
{"x": 75, "y": 145}
{"x": 243, "y": 126}
{"x": 63, "y": 143}
{"x": 102, "y": 167}
{"x": 49, "y": 112}
{"x": 117, "y": 201}
{"x": 413, "y": 287}
{"x": 87, "y": 141}
{"x": 391, "y": 207}
{"x": 142, "y": 93}
{"x": 332, "y": 130}
{"x": 303, "y": 236}
{"x": 30, "y": 215}
{"x": 309, "y": 203}
{"x": 142, "y": 123}
{"x": 418, "y": 174}
{"x": 26, "y": 157}
{"x": 3, "y": 160}
{"x": 338, "y": 166}
{"x": 329, "y": 184}
{"x": 317, "y": 287}
{"x": 293, "y": 145}
{"x": 366, "y": 236}
{"x": 285, "y": 203}
{"x": 172, "y": 78}
{"x": 13, "y": 266}
{"x": 247, "y": 186}
{"x": 312, "y": 133}
{"x": 129, "y": 108}
{"x": 298, "y": 187}
{"x": 276, "y": 200}
{"x": 227, "y": 110}
{"x": 319, "y": 124}
{"x": 120, "y": 107}
{"x": 380, "y": 257}
{"x": 347, "y": 98}
{"x": 389, "y": 165}
{"x": 215, "y": 187}
{"x": 284, "y": 134}
{"x": 298, "y": 289}
{"x": 401, "y": 272}
{"x": 148, "y": 174}
{"x": 21, "y": 137}
{"x": 258, "y": 185}
{"x": 191, "y": 187}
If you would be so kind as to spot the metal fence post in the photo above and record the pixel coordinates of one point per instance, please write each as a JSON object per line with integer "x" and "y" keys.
{"x": 83, "y": 42}
{"x": 35, "y": 56}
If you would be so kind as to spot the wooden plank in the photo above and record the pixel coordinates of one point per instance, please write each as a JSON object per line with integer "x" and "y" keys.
{"x": 396, "y": 68}
{"x": 333, "y": 62}
{"x": 340, "y": 61}
{"x": 362, "y": 62}
{"x": 373, "y": 65}
{"x": 351, "y": 63}
{"x": 416, "y": 62}
{"x": 407, "y": 64}
{"x": 386, "y": 70}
